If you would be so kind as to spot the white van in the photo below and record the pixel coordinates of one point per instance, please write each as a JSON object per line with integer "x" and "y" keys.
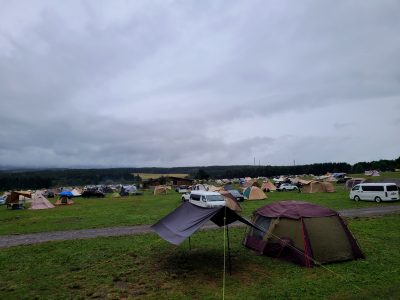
{"x": 206, "y": 199}
{"x": 375, "y": 192}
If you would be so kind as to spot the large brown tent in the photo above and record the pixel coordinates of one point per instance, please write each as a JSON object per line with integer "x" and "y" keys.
{"x": 318, "y": 187}
{"x": 254, "y": 193}
{"x": 303, "y": 233}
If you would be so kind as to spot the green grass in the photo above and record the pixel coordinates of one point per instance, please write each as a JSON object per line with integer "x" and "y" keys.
{"x": 146, "y": 267}
{"x": 88, "y": 213}
{"x": 145, "y": 209}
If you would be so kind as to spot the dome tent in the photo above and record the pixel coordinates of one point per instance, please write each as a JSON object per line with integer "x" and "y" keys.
{"x": 303, "y": 233}
{"x": 254, "y": 193}
{"x": 268, "y": 186}
{"x": 160, "y": 190}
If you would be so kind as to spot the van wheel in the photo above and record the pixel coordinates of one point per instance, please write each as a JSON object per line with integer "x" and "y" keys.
{"x": 356, "y": 198}
{"x": 378, "y": 199}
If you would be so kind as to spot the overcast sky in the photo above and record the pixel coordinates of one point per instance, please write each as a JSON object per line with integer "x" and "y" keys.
{"x": 185, "y": 83}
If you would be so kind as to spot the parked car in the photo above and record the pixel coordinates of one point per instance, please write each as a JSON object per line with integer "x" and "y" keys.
{"x": 375, "y": 192}
{"x": 185, "y": 196}
{"x": 181, "y": 189}
{"x": 94, "y": 194}
{"x": 206, "y": 199}
{"x": 48, "y": 194}
{"x": 287, "y": 187}
{"x": 3, "y": 200}
{"x": 238, "y": 195}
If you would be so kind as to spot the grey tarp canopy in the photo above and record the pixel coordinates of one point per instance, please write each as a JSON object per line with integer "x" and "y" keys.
{"x": 188, "y": 218}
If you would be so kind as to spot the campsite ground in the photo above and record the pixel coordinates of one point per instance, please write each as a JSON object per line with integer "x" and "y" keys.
{"x": 145, "y": 266}
{"x": 145, "y": 209}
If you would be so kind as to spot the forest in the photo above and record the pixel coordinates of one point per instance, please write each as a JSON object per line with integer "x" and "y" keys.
{"x": 46, "y": 178}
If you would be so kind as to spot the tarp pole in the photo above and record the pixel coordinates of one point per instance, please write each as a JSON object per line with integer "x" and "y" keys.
{"x": 229, "y": 251}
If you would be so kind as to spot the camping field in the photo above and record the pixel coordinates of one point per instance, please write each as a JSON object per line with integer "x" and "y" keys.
{"x": 147, "y": 267}
{"x": 145, "y": 209}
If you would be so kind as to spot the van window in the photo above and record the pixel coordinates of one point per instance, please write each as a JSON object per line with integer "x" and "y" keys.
{"x": 355, "y": 188}
{"x": 215, "y": 198}
{"x": 372, "y": 188}
{"x": 195, "y": 197}
{"x": 391, "y": 188}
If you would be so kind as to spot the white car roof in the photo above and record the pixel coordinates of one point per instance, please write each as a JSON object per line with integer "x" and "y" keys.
{"x": 205, "y": 193}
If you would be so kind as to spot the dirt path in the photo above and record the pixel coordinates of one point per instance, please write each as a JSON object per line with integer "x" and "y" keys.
{"x": 35, "y": 238}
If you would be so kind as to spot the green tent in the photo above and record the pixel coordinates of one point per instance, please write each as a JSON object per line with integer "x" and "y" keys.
{"x": 303, "y": 233}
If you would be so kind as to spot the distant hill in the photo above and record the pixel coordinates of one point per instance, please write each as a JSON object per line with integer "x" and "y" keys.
{"x": 22, "y": 178}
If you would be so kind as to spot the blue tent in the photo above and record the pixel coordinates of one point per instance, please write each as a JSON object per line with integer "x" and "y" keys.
{"x": 66, "y": 194}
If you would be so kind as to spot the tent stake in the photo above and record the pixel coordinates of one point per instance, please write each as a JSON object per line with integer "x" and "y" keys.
{"x": 229, "y": 251}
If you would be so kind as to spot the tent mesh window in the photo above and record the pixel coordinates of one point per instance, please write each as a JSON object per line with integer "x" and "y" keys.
{"x": 263, "y": 223}
{"x": 288, "y": 228}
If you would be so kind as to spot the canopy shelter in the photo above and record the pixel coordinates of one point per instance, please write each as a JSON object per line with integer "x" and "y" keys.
{"x": 302, "y": 232}
{"x": 65, "y": 198}
{"x": 66, "y": 194}
{"x": 13, "y": 200}
{"x": 188, "y": 218}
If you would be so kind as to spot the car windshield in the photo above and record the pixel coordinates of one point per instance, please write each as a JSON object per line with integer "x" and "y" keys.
{"x": 215, "y": 198}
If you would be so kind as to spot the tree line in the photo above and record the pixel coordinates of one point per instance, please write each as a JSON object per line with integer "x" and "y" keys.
{"x": 79, "y": 177}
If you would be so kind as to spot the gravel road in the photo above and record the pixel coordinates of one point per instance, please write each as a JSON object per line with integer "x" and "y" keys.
{"x": 35, "y": 238}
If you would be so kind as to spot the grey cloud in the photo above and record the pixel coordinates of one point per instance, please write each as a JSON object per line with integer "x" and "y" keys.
{"x": 167, "y": 83}
{"x": 338, "y": 125}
